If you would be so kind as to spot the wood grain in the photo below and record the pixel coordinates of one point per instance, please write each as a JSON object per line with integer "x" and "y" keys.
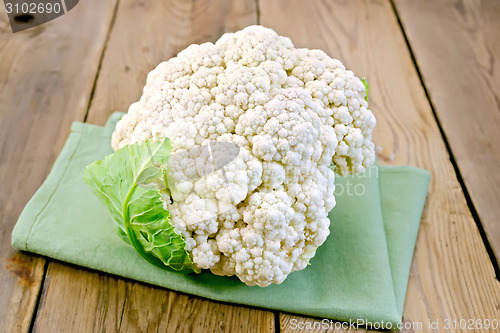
{"x": 457, "y": 47}
{"x": 97, "y": 302}
{"x": 149, "y": 33}
{"x": 452, "y": 276}
{"x": 145, "y": 34}
{"x": 46, "y": 76}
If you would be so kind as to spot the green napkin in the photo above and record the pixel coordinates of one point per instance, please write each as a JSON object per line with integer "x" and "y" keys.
{"x": 360, "y": 272}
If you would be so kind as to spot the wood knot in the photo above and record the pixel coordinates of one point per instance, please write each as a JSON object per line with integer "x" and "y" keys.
{"x": 21, "y": 266}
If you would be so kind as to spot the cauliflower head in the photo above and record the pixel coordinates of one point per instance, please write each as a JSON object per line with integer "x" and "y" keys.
{"x": 294, "y": 114}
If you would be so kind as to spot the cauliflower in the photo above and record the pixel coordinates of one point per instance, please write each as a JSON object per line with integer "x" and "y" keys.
{"x": 292, "y": 113}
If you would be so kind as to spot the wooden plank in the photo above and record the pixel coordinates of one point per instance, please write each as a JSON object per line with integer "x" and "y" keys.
{"x": 46, "y": 76}
{"x": 452, "y": 276}
{"x": 457, "y": 48}
{"x": 98, "y": 302}
{"x": 159, "y": 32}
{"x": 145, "y": 34}
{"x": 168, "y": 311}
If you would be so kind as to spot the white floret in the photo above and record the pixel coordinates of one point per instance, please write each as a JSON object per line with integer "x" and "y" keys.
{"x": 255, "y": 125}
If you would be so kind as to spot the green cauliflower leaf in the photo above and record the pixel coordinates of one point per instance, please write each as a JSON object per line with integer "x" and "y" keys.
{"x": 367, "y": 87}
{"x": 130, "y": 182}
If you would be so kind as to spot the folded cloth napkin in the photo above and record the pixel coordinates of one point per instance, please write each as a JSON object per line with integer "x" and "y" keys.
{"x": 360, "y": 273}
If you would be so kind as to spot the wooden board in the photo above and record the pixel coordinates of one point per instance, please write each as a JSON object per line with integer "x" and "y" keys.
{"x": 98, "y": 302}
{"x": 146, "y": 34}
{"x": 452, "y": 276}
{"x": 143, "y": 35}
{"x": 457, "y": 48}
{"x": 46, "y": 76}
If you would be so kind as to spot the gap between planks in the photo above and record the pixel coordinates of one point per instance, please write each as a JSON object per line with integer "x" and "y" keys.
{"x": 42, "y": 93}
{"x": 111, "y": 25}
{"x": 218, "y": 16}
{"x": 451, "y": 274}
{"x": 93, "y": 90}
{"x": 48, "y": 260}
{"x": 39, "y": 296}
{"x": 453, "y": 160}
